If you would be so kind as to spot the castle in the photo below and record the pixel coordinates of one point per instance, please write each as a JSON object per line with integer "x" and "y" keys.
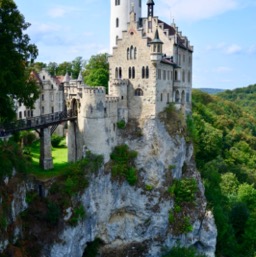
{"x": 150, "y": 66}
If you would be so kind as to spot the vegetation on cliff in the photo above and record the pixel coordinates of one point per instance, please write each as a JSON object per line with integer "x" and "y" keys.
{"x": 224, "y": 135}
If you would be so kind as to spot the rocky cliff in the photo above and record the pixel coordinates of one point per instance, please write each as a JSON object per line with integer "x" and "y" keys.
{"x": 135, "y": 220}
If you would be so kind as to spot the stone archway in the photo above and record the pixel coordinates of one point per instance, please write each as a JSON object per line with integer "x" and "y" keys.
{"x": 177, "y": 96}
{"x": 74, "y": 107}
{"x": 183, "y": 97}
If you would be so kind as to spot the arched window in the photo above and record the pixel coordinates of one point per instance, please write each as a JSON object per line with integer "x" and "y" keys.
{"x": 131, "y": 52}
{"x": 177, "y": 96}
{"x": 120, "y": 73}
{"x": 183, "y": 97}
{"x": 116, "y": 73}
{"x": 143, "y": 72}
{"x": 133, "y": 72}
{"x": 130, "y": 72}
{"x": 147, "y": 72}
{"x": 128, "y": 53}
{"x": 135, "y": 53}
{"x": 138, "y": 92}
{"x": 117, "y": 22}
{"x": 175, "y": 75}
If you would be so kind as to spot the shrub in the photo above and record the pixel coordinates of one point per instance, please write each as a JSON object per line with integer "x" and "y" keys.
{"x": 121, "y": 124}
{"x": 184, "y": 190}
{"x": 11, "y": 157}
{"x": 78, "y": 214}
{"x": 183, "y": 252}
{"x": 122, "y": 164}
{"x": 92, "y": 248}
{"x": 55, "y": 140}
{"x": 27, "y": 137}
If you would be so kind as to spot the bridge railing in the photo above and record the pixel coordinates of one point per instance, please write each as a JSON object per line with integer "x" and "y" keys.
{"x": 36, "y": 122}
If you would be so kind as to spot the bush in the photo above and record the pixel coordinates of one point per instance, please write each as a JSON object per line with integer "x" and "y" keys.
{"x": 27, "y": 137}
{"x": 78, "y": 214}
{"x": 121, "y": 124}
{"x": 122, "y": 164}
{"x": 184, "y": 190}
{"x": 55, "y": 140}
{"x": 183, "y": 252}
{"x": 11, "y": 157}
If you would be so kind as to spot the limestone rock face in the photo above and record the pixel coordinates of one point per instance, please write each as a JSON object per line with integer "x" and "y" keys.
{"x": 133, "y": 221}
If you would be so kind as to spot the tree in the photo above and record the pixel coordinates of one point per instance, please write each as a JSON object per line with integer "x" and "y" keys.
{"x": 77, "y": 65}
{"x": 96, "y": 71}
{"x": 15, "y": 54}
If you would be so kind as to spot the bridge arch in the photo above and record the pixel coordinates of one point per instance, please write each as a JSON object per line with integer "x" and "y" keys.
{"x": 74, "y": 106}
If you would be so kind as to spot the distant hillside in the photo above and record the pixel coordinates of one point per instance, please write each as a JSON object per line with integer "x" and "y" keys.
{"x": 244, "y": 97}
{"x": 211, "y": 91}
{"x": 224, "y": 136}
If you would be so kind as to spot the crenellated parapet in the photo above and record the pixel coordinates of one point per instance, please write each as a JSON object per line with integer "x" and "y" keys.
{"x": 112, "y": 99}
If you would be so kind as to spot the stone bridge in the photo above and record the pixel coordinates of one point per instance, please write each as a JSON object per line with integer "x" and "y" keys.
{"x": 44, "y": 125}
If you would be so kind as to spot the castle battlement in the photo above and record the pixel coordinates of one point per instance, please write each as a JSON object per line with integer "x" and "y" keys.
{"x": 112, "y": 99}
{"x": 94, "y": 90}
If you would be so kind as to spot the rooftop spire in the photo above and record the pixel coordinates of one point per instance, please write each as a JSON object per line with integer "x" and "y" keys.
{"x": 150, "y": 5}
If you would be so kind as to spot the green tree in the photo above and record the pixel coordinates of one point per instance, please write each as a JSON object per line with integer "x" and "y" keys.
{"x": 52, "y": 68}
{"x": 96, "y": 71}
{"x": 77, "y": 66}
{"x": 15, "y": 54}
{"x": 63, "y": 68}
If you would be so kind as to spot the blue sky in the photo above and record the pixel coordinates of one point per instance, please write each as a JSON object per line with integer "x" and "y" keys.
{"x": 223, "y": 33}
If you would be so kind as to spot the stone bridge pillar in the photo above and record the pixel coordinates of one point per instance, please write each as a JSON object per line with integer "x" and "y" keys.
{"x": 46, "y": 149}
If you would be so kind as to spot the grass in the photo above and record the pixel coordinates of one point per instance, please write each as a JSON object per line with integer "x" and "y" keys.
{"x": 59, "y": 156}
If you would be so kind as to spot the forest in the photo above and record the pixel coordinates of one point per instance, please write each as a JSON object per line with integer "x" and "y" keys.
{"x": 224, "y": 133}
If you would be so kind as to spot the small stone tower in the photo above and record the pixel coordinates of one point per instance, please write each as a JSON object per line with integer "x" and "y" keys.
{"x": 120, "y": 16}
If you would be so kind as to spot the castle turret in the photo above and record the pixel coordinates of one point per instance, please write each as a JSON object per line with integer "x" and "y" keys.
{"x": 120, "y": 16}
{"x": 156, "y": 48}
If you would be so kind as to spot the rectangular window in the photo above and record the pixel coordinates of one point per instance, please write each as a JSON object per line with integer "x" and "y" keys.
{"x": 187, "y": 97}
{"x": 24, "y": 113}
{"x": 52, "y": 109}
{"x": 168, "y": 75}
{"x": 164, "y": 75}
{"x": 184, "y": 58}
{"x": 171, "y": 75}
{"x": 52, "y": 96}
{"x": 42, "y": 110}
{"x": 20, "y": 115}
{"x": 159, "y": 74}
{"x": 42, "y": 97}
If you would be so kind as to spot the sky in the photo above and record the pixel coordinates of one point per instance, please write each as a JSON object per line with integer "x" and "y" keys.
{"x": 223, "y": 33}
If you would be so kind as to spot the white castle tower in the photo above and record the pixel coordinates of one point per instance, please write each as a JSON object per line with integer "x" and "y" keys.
{"x": 120, "y": 16}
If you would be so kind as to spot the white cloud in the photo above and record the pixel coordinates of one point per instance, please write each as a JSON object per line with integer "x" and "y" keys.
{"x": 233, "y": 49}
{"x": 223, "y": 69}
{"x": 60, "y": 11}
{"x": 192, "y": 10}
{"x": 225, "y": 48}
